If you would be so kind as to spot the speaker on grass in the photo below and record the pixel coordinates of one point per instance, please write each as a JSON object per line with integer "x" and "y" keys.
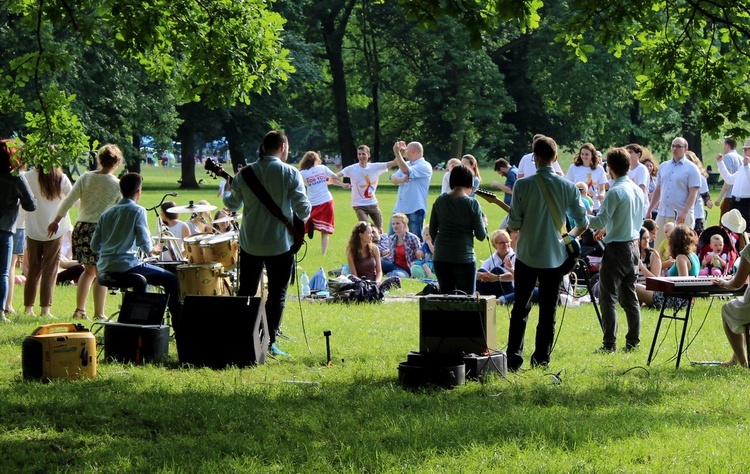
{"x": 218, "y": 331}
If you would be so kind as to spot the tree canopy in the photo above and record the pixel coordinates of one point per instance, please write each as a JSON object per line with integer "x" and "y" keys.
{"x": 218, "y": 52}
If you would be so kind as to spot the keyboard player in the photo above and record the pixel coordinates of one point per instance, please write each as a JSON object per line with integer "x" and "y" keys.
{"x": 682, "y": 246}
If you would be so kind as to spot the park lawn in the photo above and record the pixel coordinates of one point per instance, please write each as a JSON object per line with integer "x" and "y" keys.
{"x": 609, "y": 413}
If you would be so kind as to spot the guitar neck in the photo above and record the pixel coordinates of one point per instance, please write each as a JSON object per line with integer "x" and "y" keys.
{"x": 492, "y": 197}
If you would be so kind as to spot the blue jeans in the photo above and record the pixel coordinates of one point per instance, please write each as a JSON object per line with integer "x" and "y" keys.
{"x": 391, "y": 269}
{"x": 159, "y": 277}
{"x": 278, "y": 270}
{"x": 6, "y": 252}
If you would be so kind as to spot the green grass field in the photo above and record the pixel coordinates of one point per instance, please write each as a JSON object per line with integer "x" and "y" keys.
{"x": 610, "y": 413}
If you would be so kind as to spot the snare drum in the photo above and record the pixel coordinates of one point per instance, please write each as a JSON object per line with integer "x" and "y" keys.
{"x": 222, "y": 248}
{"x": 205, "y": 279}
{"x": 193, "y": 250}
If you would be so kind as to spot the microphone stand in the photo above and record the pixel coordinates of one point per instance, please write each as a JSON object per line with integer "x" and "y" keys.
{"x": 159, "y": 224}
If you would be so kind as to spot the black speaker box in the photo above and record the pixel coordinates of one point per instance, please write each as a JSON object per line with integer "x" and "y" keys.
{"x": 219, "y": 331}
{"x": 135, "y": 343}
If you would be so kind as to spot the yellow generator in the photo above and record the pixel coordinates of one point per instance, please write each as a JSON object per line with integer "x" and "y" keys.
{"x": 59, "y": 351}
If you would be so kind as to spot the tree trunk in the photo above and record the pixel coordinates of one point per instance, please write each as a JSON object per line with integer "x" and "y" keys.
{"x": 530, "y": 116}
{"x": 370, "y": 49}
{"x": 690, "y": 131}
{"x": 187, "y": 137}
{"x": 234, "y": 140}
{"x": 135, "y": 166}
{"x": 333, "y": 39}
{"x": 635, "y": 121}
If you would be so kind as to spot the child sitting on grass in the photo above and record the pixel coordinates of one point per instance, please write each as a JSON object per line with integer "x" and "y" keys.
{"x": 423, "y": 267}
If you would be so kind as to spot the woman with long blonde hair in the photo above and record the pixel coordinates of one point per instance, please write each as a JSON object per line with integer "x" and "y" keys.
{"x": 97, "y": 191}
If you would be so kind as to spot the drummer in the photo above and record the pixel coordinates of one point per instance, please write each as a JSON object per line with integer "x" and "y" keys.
{"x": 178, "y": 228}
{"x": 121, "y": 230}
{"x": 224, "y": 221}
{"x": 199, "y": 222}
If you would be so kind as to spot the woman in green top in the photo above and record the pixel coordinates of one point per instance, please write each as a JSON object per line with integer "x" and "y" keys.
{"x": 454, "y": 222}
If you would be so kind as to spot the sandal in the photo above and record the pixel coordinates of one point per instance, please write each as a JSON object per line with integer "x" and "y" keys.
{"x": 80, "y": 314}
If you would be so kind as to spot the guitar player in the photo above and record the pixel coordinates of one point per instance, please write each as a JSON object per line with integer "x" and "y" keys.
{"x": 267, "y": 242}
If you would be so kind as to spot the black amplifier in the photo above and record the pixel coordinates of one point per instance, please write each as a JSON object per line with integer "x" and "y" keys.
{"x": 457, "y": 324}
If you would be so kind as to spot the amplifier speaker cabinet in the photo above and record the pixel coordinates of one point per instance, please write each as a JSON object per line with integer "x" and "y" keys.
{"x": 135, "y": 343}
{"x": 219, "y": 331}
{"x": 457, "y": 324}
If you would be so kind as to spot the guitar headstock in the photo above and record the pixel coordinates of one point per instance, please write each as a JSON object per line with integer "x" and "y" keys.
{"x": 213, "y": 168}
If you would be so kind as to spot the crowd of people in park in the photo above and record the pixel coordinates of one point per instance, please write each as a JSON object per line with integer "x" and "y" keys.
{"x": 645, "y": 217}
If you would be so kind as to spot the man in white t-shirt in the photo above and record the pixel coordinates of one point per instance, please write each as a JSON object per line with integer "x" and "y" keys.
{"x": 638, "y": 173}
{"x": 527, "y": 165}
{"x": 364, "y": 181}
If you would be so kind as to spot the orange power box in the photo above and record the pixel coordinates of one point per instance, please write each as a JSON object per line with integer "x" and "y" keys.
{"x": 59, "y": 351}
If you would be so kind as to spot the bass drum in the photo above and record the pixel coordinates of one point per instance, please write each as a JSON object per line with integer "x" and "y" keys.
{"x": 193, "y": 250}
{"x": 223, "y": 248}
{"x": 205, "y": 279}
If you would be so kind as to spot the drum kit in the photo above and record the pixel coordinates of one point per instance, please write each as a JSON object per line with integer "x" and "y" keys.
{"x": 208, "y": 265}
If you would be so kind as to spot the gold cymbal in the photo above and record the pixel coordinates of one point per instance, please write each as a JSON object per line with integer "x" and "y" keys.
{"x": 191, "y": 208}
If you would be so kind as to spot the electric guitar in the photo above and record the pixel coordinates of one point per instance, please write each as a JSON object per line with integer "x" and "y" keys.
{"x": 489, "y": 196}
{"x": 296, "y": 227}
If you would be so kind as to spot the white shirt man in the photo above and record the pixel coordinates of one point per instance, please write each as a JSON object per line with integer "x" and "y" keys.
{"x": 740, "y": 181}
{"x": 732, "y": 161}
{"x": 364, "y": 176}
{"x": 677, "y": 186}
{"x": 638, "y": 173}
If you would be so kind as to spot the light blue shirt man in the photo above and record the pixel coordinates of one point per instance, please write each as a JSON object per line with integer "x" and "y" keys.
{"x": 621, "y": 213}
{"x": 412, "y": 193}
{"x": 120, "y": 232}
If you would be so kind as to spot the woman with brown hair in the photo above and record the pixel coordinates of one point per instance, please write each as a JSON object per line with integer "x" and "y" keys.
{"x": 470, "y": 162}
{"x": 42, "y": 247}
{"x": 653, "y": 168}
{"x": 14, "y": 189}
{"x": 363, "y": 255}
{"x": 682, "y": 246}
{"x": 587, "y": 168}
{"x": 98, "y": 191}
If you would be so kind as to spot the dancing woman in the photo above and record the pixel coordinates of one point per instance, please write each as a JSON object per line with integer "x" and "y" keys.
{"x": 98, "y": 191}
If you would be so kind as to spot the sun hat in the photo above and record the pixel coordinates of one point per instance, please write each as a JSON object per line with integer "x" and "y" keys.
{"x": 734, "y": 221}
{"x": 747, "y": 144}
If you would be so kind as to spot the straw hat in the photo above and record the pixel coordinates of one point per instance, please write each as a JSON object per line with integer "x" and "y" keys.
{"x": 747, "y": 144}
{"x": 733, "y": 220}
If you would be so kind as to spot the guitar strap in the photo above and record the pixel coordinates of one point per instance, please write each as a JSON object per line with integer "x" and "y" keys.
{"x": 554, "y": 212}
{"x": 255, "y": 186}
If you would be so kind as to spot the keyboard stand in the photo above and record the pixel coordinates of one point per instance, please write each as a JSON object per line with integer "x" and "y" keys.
{"x": 688, "y": 297}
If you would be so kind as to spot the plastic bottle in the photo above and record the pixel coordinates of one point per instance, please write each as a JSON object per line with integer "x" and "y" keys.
{"x": 304, "y": 283}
